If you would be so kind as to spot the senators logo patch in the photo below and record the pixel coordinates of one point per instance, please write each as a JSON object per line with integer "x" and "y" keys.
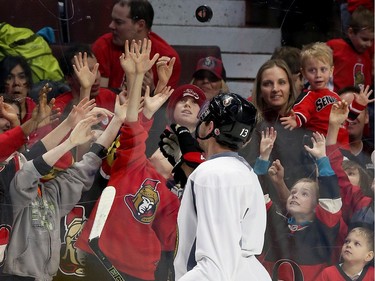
{"x": 143, "y": 204}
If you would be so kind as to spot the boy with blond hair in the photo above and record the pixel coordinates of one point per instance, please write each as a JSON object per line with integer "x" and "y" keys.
{"x": 356, "y": 254}
{"x": 312, "y": 109}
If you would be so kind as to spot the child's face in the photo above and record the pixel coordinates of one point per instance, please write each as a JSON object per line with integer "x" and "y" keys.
{"x": 317, "y": 72}
{"x": 361, "y": 40}
{"x": 355, "y": 249}
{"x": 353, "y": 175}
{"x": 302, "y": 201}
{"x": 186, "y": 112}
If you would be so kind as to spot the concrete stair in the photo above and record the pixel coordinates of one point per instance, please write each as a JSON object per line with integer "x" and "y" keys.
{"x": 244, "y": 49}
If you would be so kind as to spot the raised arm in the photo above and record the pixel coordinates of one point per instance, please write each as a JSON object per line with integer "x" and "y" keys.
{"x": 78, "y": 113}
{"x": 338, "y": 115}
{"x": 82, "y": 133}
{"x": 276, "y": 173}
{"x": 114, "y": 126}
{"x": 86, "y": 77}
{"x": 141, "y": 57}
{"x": 268, "y": 138}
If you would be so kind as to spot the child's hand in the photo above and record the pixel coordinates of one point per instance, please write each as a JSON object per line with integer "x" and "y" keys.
{"x": 339, "y": 113}
{"x": 141, "y": 56}
{"x": 276, "y": 171}
{"x": 164, "y": 67}
{"x": 152, "y": 104}
{"x": 126, "y": 61}
{"x": 43, "y": 114}
{"x": 148, "y": 80}
{"x": 80, "y": 111}
{"x": 266, "y": 143}
{"x": 85, "y": 76}
{"x": 319, "y": 146}
{"x": 9, "y": 113}
{"x": 82, "y": 133}
{"x": 289, "y": 122}
{"x": 363, "y": 97}
{"x": 121, "y": 106}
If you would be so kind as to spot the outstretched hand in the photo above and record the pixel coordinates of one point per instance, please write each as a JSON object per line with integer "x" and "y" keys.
{"x": 339, "y": 113}
{"x": 266, "y": 144}
{"x": 141, "y": 56}
{"x": 80, "y": 111}
{"x": 126, "y": 61}
{"x": 164, "y": 67}
{"x": 289, "y": 122}
{"x": 9, "y": 113}
{"x": 152, "y": 104}
{"x": 43, "y": 114}
{"x": 319, "y": 145}
{"x": 363, "y": 98}
{"x": 85, "y": 76}
{"x": 276, "y": 171}
{"x": 82, "y": 133}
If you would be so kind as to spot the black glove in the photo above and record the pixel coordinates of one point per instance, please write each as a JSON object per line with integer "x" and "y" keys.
{"x": 169, "y": 146}
{"x": 191, "y": 152}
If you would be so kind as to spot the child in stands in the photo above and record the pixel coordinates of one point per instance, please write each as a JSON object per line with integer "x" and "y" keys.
{"x": 356, "y": 254}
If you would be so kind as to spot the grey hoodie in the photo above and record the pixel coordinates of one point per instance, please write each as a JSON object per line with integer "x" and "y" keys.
{"x": 34, "y": 247}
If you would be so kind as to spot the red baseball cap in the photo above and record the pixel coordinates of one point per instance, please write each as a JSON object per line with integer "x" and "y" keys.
{"x": 187, "y": 90}
{"x": 213, "y": 65}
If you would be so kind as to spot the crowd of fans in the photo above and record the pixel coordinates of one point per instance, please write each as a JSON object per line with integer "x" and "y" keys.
{"x": 311, "y": 149}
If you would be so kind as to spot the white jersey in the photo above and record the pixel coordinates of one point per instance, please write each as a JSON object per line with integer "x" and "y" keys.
{"x": 221, "y": 221}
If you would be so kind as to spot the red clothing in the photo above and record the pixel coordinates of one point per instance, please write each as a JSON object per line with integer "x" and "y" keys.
{"x": 108, "y": 55}
{"x": 135, "y": 232}
{"x": 312, "y": 111}
{"x": 105, "y": 99}
{"x": 11, "y": 141}
{"x": 30, "y": 105}
{"x": 354, "y": 202}
{"x": 335, "y": 273}
{"x": 351, "y": 68}
{"x": 354, "y": 4}
{"x": 291, "y": 250}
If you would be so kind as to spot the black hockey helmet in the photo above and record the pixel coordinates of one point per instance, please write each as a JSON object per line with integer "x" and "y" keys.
{"x": 234, "y": 119}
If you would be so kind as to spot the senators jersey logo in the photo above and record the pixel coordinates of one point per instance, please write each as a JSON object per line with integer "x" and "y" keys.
{"x": 321, "y": 103}
{"x": 144, "y": 203}
{"x": 72, "y": 261}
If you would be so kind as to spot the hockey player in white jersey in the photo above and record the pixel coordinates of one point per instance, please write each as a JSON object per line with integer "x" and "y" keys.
{"x": 222, "y": 218}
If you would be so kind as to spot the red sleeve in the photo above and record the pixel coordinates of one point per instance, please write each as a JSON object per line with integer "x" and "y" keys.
{"x": 352, "y": 196}
{"x": 132, "y": 149}
{"x": 100, "y": 49}
{"x": 304, "y": 108}
{"x": 11, "y": 141}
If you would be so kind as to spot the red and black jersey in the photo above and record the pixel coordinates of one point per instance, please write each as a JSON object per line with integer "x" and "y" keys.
{"x": 143, "y": 218}
{"x": 313, "y": 108}
{"x": 293, "y": 250}
{"x": 335, "y": 273}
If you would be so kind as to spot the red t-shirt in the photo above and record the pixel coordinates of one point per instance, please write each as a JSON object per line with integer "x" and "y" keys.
{"x": 105, "y": 99}
{"x": 108, "y": 55}
{"x": 351, "y": 68}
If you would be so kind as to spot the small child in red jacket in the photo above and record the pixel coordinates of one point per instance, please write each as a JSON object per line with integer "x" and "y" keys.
{"x": 356, "y": 253}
